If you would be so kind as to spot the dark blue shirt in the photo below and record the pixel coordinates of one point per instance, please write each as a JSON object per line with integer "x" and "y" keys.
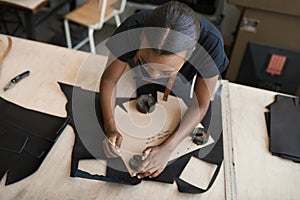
{"x": 210, "y": 43}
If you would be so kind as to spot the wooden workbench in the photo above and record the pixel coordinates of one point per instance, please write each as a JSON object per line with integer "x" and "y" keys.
{"x": 49, "y": 64}
{"x": 258, "y": 174}
{"x": 32, "y": 6}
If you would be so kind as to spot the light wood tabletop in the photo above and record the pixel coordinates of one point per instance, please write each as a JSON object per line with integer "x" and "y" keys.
{"x": 40, "y": 91}
{"x": 32, "y": 6}
{"x": 258, "y": 174}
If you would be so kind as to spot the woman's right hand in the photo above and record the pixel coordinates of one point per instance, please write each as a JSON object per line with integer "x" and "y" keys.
{"x": 112, "y": 143}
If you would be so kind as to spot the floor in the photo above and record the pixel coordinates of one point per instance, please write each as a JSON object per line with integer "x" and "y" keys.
{"x": 52, "y": 30}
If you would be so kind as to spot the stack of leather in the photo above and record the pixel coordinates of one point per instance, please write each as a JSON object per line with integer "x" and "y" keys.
{"x": 284, "y": 128}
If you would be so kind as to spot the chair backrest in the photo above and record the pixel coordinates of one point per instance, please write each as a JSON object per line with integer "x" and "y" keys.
{"x": 106, "y": 7}
{"x": 118, "y": 5}
{"x": 102, "y": 6}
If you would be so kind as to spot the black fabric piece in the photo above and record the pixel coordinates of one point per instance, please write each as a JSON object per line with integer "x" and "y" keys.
{"x": 18, "y": 165}
{"x": 283, "y": 127}
{"x": 170, "y": 173}
{"x": 31, "y": 122}
{"x": 83, "y": 174}
{"x": 19, "y": 140}
{"x": 212, "y": 153}
{"x": 267, "y": 118}
{"x": 3, "y": 167}
{"x": 293, "y": 158}
{"x": 79, "y": 150}
{"x": 173, "y": 169}
{"x": 268, "y": 114}
{"x": 37, "y": 147}
{"x": 26, "y": 136}
{"x": 119, "y": 173}
{"x": 87, "y": 135}
{"x": 214, "y": 157}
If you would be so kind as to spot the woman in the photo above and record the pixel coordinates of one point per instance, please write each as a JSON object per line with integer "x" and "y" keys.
{"x": 175, "y": 42}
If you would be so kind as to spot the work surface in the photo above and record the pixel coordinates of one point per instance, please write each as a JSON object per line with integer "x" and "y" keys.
{"x": 259, "y": 175}
{"x": 48, "y": 65}
{"x": 27, "y": 5}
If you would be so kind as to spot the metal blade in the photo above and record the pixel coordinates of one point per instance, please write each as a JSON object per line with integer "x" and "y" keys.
{"x": 8, "y": 86}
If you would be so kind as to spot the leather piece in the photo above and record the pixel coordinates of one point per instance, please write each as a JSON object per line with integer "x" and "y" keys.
{"x": 118, "y": 172}
{"x": 283, "y": 127}
{"x": 26, "y": 137}
{"x": 19, "y": 140}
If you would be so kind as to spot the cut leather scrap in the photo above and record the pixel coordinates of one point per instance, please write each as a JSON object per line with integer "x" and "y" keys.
{"x": 26, "y": 136}
{"x": 4, "y": 51}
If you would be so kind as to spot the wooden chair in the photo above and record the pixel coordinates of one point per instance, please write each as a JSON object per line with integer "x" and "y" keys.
{"x": 93, "y": 14}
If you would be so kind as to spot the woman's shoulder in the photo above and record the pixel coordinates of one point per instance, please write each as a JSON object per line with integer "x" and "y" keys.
{"x": 209, "y": 30}
{"x": 136, "y": 20}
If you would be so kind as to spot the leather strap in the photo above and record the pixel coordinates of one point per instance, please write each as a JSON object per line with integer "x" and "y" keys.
{"x": 3, "y": 53}
{"x": 170, "y": 82}
{"x": 169, "y": 86}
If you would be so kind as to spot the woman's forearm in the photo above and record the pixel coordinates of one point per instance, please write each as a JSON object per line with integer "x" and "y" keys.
{"x": 107, "y": 102}
{"x": 107, "y": 90}
{"x": 190, "y": 120}
{"x": 204, "y": 92}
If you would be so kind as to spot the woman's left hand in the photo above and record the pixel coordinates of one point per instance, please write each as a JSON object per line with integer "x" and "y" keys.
{"x": 155, "y": 159}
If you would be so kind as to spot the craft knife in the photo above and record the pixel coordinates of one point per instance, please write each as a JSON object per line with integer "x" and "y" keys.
{"x": 15, "y": 80}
